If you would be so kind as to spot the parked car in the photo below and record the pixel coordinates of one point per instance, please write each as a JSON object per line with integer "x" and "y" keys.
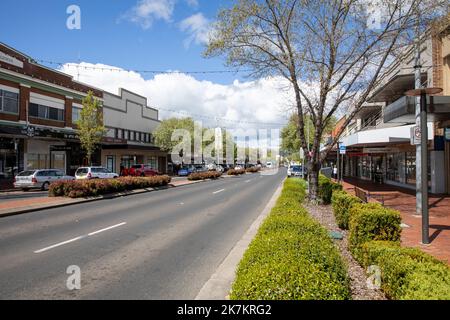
{"x": 84, "y": 173}
{"x": 41, "y": 179}
{"x": 295, "y": 171}
{"x": 269, "y": 165}
{"x": 142, "y": 170}
{"x": 238, "y": 167}
{"x": 219, "y": 168}
{"x": 200, "y": 168}
{"x": 186, "y": 170}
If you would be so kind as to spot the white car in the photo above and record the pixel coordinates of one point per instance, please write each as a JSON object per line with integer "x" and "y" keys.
{"x": 40, "y": 179}
{"x": 238, "y": 167}
{"x": 86, "y": 173}
{"x": 295, "y": 171}
{"x": 219, "y": 168}
{"x": 269, "y": 165}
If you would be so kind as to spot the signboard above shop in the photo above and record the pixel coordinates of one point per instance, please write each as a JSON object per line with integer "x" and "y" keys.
{"x": 10, "y": 60}
{"x": 380, "y": 150}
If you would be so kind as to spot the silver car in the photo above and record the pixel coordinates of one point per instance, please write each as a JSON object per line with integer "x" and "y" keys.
{"x": 86, "y": 173}
{"x": 40, "y": 179}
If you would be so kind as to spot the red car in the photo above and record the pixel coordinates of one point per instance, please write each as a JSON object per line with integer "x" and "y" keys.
{"x": 142, "y": 170}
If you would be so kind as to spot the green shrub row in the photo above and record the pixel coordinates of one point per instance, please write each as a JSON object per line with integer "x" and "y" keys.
{"x": 204, "y": 175}
{"x": 341, "y": 202}
{"x": 292, "y": 256}
{"x": 326, "y": 188}
{"x": 95, "y": 187}
{"x": 372, "y": 221}
{"x": 234, "y": 172}
{"x": 407, "y": 273}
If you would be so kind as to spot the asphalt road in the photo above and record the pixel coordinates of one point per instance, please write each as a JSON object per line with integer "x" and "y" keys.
{"x": 160, "y": 245}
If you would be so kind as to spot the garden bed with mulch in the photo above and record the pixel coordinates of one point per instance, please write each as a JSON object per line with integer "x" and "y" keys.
{"x": 357, "y": 274}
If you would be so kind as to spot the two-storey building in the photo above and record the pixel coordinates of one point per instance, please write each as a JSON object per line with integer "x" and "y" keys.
{"x": 378, "y": 140}
{"x": 37, "y": 106}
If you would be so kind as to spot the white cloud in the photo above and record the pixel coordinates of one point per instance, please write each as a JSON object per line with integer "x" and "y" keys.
{"x": 145, "y": 12}
{"x": 198, "y": 27}
{"x": 192, "y": 3}
{"x": 263, "y": 101}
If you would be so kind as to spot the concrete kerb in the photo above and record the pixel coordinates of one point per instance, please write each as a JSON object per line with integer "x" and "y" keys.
{"x": 219, "y": 285}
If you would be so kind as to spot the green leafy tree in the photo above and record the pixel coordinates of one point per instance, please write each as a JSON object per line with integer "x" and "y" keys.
{"x": 163, "y": 135}
{"x": 325, "y": 49}
{"x": 90, "y": 126}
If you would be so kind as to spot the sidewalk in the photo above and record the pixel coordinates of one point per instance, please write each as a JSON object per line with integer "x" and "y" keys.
{"x": 13, "y": 207}
{"x": 404, "y": 200}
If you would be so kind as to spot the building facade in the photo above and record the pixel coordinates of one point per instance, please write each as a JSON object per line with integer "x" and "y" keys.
{"x": 36, "y": 116}
{"x": 130, "y": 122}
{"x": 378, "y": 140}
{"x": 38, "y": 110}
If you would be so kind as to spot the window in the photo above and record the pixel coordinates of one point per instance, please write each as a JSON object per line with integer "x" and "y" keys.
{"x": 44, "y": 112}
{"x": 126, "y": 134}
{"x": 9, "y": 101}
{"x": 37, "y": 161}
{"x": 120, "y": 134}
{"x": 132, "y": 135}
{"x": 75, "y": 114}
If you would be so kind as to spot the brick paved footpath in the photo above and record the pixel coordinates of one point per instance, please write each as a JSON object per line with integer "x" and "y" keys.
{"x": 404, "y": 200}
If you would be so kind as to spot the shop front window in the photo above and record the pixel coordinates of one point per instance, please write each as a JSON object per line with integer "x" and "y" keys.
{"x": 411, "y": 168}
{"x": 110, "y": 163}
{"x": 37, "y": 161}
{"x": 153, "y": 162}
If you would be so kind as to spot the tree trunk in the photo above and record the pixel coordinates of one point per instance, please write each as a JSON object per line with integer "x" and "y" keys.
{"x": 313, "y": 172}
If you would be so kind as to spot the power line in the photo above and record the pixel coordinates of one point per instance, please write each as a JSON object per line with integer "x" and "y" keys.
{"x": 61, "y": 64}
{"x": 219, "y": 119}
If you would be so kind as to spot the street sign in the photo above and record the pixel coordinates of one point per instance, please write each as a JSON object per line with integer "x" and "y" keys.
{"x": 342, "y": 149}
{"x": 415, "y": 135}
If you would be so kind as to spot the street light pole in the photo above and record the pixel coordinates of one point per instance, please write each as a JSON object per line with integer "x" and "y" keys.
{"x": 423, "y": 157}
{"x": 424, "y": 171}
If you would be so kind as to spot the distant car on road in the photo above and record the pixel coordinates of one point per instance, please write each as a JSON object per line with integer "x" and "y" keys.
{"x": 86, "y": 173}
{"x": 142, "y": 170}
{"x": 269, "y": 165}
{"x": 238, "y": 167}
{"x": 186, "y": 170}
{"x": 41, "y": 179}
{"x": 295, "y": 171}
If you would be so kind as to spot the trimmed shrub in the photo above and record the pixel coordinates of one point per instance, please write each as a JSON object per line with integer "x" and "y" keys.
{"x": 204, "y": 175}
{"x": 341, "y": 202}
{"x": 407, "y": 273}
{"x": 95, "y": 187}
{"x": 234, "y": 172}
{"x": 292, "y": 256}
{"x": 253, "y": 169}
{"x": 326, "y": 188}
{"x": 371, "y": 221}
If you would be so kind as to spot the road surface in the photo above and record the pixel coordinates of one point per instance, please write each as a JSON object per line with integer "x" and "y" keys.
{"x": 160, "y": 245}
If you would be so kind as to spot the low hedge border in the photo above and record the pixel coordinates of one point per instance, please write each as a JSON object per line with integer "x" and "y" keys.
{"x": 292, "y": 256}
{"x": 407, "y": 273}
{"x": 372, "y": 221}
{"x": 234, "y": 172}
{"x": 341, "y": 202}
{"x": 204, "y": 175}
{"x": 96, "y": 187}
{"x": 326, "y": 188}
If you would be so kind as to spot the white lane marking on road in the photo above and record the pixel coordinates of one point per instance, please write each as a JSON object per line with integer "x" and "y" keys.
{"x": 79, "y": 238}
{"x": 215, "y": 192}
{"x": 108, "y": 228}
{"x": 247, "y": 181}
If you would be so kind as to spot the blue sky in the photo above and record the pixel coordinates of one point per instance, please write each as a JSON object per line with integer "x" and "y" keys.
{"x": 145, "y": 35}
{"x": 109, "y": 36}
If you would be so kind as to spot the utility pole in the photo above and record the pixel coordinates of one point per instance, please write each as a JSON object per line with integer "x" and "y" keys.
{"x": 418, "y": 85}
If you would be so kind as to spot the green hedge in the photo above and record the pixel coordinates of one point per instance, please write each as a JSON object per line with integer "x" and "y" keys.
{"x": 204, "y": 175}
{"x": 372, "y": 221}
{"x": 341, "y": 202}
{"x": 292, "y": 256}
{"x": 407, "y": 273}
{"x": 95, "y": 187}
{"x": 326, "y": 188}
